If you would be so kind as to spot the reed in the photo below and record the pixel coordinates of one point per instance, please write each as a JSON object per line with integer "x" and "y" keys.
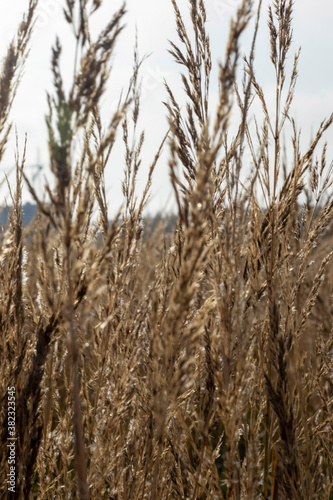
{"x": 194, "y": 363}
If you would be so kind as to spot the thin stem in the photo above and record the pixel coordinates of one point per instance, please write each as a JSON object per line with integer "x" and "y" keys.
{"x": 81, "y": 469}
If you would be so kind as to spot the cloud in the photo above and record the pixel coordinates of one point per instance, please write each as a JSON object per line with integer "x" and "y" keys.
{"x": 155, "y": 22}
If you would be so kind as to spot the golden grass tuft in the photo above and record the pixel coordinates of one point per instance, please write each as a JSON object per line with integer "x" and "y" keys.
{"x": 193, "y": 363}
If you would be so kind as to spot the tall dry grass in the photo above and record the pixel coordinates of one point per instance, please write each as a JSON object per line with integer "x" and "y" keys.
{"x": 191, "y": 364}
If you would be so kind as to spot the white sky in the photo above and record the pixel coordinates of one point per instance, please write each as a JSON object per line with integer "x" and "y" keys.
{"x": 155, "y": 21}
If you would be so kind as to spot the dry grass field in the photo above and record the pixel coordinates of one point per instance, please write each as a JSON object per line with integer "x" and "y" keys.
{"x": 191, "y": 364}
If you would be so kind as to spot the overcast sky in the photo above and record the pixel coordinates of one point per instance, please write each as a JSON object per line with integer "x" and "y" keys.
{"x": 155, "y": 22}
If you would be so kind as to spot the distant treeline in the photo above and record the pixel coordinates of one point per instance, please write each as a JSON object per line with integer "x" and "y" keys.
{"x": 30, "y": 211}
